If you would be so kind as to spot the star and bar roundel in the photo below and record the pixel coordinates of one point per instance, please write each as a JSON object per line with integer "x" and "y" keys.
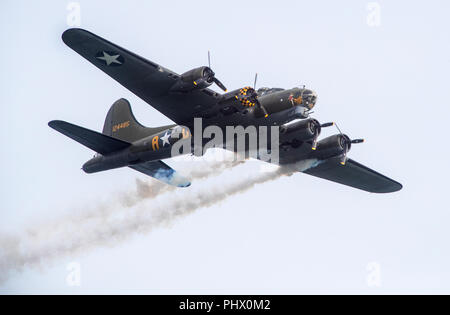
{"x": 110, "y": 58}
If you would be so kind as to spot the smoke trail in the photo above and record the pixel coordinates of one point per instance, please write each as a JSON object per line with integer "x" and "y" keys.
{"x": 198, "y": 170}
{"x": 19, "y": 252}
{"x": 43, "y": 244}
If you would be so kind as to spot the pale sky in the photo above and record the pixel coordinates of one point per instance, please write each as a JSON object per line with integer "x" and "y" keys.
{"x": 386, "y": 83}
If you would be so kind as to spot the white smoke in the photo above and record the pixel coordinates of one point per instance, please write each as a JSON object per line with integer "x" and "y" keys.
{"x": 196, "y": 170}
{"x": 108, "y": 226}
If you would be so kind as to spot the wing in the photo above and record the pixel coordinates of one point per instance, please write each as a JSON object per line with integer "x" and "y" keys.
{"x": 148, "y": 80}
{"x": 162, "y": 172}
{"x": 355, "y": 175}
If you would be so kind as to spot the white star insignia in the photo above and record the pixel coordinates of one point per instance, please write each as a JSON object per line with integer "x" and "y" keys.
{"x": 165, "y": 139}
{"x": 110, "y": 59}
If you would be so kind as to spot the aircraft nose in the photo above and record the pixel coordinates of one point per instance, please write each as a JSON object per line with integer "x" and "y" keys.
{"x": 310, "y": 98}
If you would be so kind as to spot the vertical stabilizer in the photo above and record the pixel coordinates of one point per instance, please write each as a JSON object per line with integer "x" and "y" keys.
{"x": 120, "y": 123}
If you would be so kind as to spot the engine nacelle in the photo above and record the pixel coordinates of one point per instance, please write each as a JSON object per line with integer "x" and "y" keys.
{"x": 302, "y": 130}
{"x": 195, "y": 79}
{"x": 332, "y": 146}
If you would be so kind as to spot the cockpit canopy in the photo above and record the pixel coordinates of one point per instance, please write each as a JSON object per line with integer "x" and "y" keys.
{"x": 296, "y": 96}
{"x": 303, "y": 97}
{"x": 266, "y": 90}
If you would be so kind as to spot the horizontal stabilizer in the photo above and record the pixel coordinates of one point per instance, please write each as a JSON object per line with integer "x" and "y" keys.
{"x": 96, "y": 141}
{"x": 162, "y": 172}
{"x": 355, "y": 175}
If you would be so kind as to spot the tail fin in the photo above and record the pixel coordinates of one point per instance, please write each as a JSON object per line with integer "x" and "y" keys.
{"x": 120, "y": 123}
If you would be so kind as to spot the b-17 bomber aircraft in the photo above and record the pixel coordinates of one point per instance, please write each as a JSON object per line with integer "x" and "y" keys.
{"x": 186, "y": 98}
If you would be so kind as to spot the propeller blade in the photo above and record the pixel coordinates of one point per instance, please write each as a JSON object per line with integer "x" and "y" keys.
{"x": 314, "y": 144}
{"x": 344, "y": 159}
{"x": 339, "y": 129}
{"x": 344, "y": 156}
{"x": 325, "y": 125}
{"x": 209, "y": 59}
{"x": 316, "y": 138}
{"x": 266, "y": 114}
{"x": 219, "y": 84}
{"x": 256, "y": 78}
{"x": 355, "y": 141}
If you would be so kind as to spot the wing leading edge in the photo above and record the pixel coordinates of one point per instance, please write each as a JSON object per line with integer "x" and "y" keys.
{"x": 355, "y": 175}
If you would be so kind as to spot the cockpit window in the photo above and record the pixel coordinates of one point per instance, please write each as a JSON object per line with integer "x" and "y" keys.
{"x": 265, "y": 90}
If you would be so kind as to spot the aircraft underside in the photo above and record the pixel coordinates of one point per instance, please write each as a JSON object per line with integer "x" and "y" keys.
{"x": 274, "y": 124}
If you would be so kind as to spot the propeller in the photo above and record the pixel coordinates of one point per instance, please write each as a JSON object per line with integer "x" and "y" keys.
{"x": 266, "y": 114}
{"x": 346, "y": 144}
{"x": 316, "y": 134}
{"x": 210, "y": 76}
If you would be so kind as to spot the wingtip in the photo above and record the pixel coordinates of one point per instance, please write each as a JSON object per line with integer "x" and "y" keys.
{"x": 71, "y": 33}
{"x": 399, "y": 187}
{"x": 52, "y": 124}
{"x": 391, "y": 189}
{"x": 67, "y": 34}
